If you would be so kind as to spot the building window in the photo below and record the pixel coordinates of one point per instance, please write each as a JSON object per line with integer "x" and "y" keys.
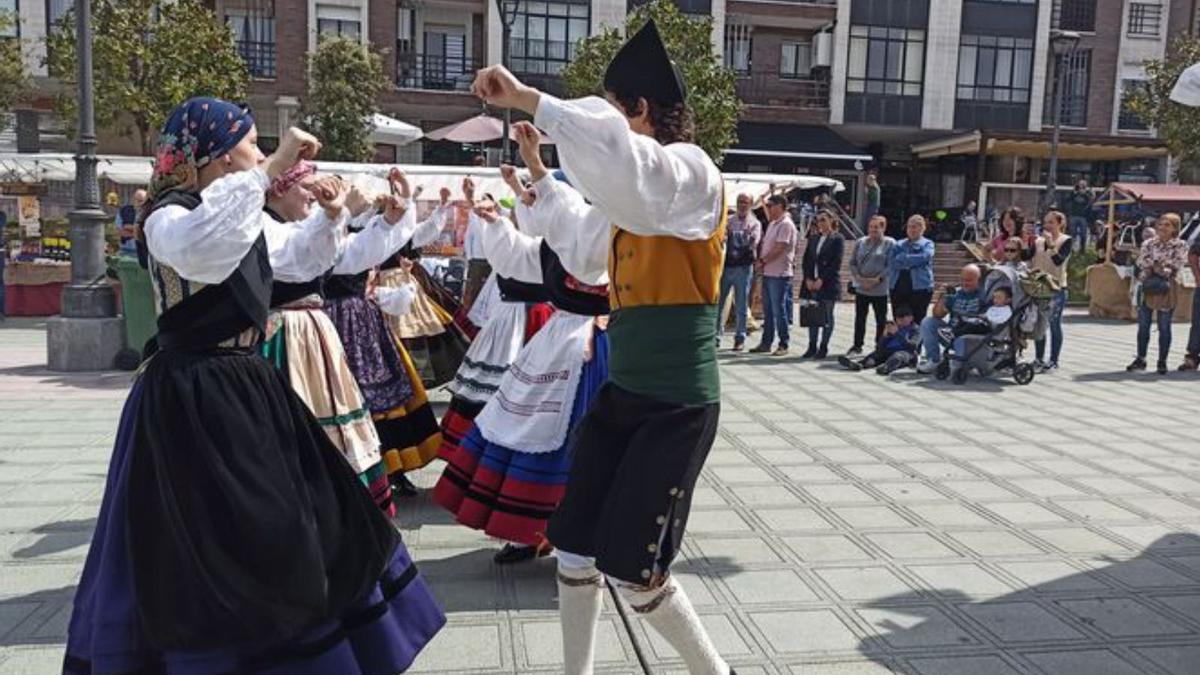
{"x": 1127, "y": 120}
{"x": 886, "y": 61}
{"x": 254, "y": 35}
{"x": 339, "y": 20}
{"x": 10, "y": 10}
{"x": 739, "y": 45}
{"x": 546, "y": 34}
{"x": 1075, "y": 76}
{"x": 1078, "y": 15}
{"x": 1145, "y": 18}
{"x": 795, "y": 60}
{"x": 56, "y": 10}
{"x": 995, "y": 69}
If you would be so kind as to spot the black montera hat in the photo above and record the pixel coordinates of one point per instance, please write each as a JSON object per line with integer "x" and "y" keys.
{"x": 643, "y": 68}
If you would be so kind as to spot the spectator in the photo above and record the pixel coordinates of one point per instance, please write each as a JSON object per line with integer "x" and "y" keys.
{"x": 1029, "y": 235}
{"x": 822, "y": 279}
{"x": 954, "y": 305}
{"x": 1014, "y": 255}
{"x": 970, "y": 223}
{"x": 777, "y": 265}
{"x": 1191, "y": 235}
{"x": 127, "y": 221}
{"x": 1011, "y": 223}
{"x": 741, "y": 245}
{"x": 910, "y": 270}
{"x": 869, "y": 274}
{"x": 1079, "y": 207}
{"x": 895, "y": 348}
{"x": 874, "y": 196}
{"x": 1159, "y": 261}
{"x": 1050, "y": 254}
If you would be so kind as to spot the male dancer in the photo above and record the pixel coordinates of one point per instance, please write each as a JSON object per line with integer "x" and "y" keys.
{"x": 639, "y": 450}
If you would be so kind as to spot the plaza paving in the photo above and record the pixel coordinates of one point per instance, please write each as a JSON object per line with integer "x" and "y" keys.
{"x": 845, "y": 524}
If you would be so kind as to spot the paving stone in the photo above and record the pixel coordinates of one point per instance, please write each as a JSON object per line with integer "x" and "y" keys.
{"x": 1020, "y": 622}
{"x": 1051, "y": 576}
{"x": 842, "y": 668}
{"x": 1122, "y": 617}
{"x": 911, "y": 545}
{"x": 768, "y": 586}
{"x": 737, "y": 551}
{"x": 462, "y": 647}
{"x": 818, "y": 630}
{"x": 948, "y": 515}
{"x": 1141, "y": 573}
{"x": 774, "y": 495}
{"x": 979, "y": 490}
{"x": 1076, "y": 540}
{"x": 1082, "y": 662}
{"x": 543, "y": 643}
{"x": 909, "y": 491}
{"x": 956, "y": 579}
{"x": 975, "y": 665}
{"x": 1024, "y": 513}
{"x": 865, "y": 583}
{"x": 859, "y": 517}
{"x": 916, "y": 626}
{"x": 1098, "y": 510}
{"x": 990, "y": 543}
{"x": 1176, "y": 660}
{"x": 826, "y": 548}
{"x": 796, "y": 519}
{"x": 837, "y": 493}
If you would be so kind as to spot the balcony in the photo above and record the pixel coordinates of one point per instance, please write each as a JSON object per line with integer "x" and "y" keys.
{"x": 435, "y": 72}
{"x": 1076, "y": 15}
{"x": 772, "y": 90}
{"x": 259, "y": 57}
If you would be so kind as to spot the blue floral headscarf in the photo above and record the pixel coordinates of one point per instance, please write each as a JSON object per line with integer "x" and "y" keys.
{"x": 198, "y": 131}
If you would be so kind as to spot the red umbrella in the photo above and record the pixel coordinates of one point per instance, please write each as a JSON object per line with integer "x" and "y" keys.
{"x": 477, "y": 129}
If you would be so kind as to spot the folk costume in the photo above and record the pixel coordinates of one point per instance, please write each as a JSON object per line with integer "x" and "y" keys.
{"x": 407, "y": 428}
{"x": 233, "y": 536}
{"x": 640, "y": 448}
{"x": 510, "y": 471}
{"x": 434, "y": 342}
{"x": 479, "y": 268}
{"x": 302, "y": 342}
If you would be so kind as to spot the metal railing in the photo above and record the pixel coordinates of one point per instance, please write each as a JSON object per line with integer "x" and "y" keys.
{"x": 772, "y": 89}
{"x": 1145, "y": 18}
{"x": 1077, "y": 15}
{"x": 428, "y": 71}
{"x": 259, "y": 56}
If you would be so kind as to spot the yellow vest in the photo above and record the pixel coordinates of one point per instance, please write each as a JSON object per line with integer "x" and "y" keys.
{"x": 664, "y": 270}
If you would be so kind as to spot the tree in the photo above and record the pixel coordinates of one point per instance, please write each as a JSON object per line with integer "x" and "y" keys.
{"x": 1178, "y": 125}
{"x": 344, "y": 83}
{"x": 711, "y": 93}
{"x": 148, "y": 56}
{"x": 15, "y": 82}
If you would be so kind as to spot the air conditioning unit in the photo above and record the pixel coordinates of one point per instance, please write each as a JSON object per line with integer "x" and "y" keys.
{"x": 822, "y": 50}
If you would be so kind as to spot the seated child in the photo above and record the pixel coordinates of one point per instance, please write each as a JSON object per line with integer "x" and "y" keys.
{"x": 999, "y": 312}
{"x": 895, "y": 349}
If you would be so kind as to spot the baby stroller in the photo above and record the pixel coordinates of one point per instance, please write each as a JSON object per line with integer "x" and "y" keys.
{"x": 999, "y": 348}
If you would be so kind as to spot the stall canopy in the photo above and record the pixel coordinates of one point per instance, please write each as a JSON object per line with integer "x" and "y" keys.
{"x": 797, "y": 141}
{"x": 1032, "y": 144}
{"x": 392, "y": 131}
{"x": 759, "y": 184}
{"x": 1157, "y": 197}
{"x": 478, "y": 129}
{"x": 44, "y": 167}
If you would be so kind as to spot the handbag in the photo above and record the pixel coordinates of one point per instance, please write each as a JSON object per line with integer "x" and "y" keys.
{"x": 812, "y": 314}
{"x": 1156, "y": 284}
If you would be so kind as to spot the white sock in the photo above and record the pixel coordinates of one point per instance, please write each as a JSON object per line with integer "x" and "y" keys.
{"x": 670, "y": 612}
{"x": 580, "y": 595}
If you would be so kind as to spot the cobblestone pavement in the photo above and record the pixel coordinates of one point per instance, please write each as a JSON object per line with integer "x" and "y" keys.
{"x": 845, "y": 524}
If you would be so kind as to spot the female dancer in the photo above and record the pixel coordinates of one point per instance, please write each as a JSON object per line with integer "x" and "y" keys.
{"x": 408, "y": 431}
{"x": 233, "y": 537}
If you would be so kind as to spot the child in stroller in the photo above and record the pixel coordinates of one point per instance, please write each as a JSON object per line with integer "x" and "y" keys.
{"x": 895, "y": 349}
{"x": 994, "y": 341}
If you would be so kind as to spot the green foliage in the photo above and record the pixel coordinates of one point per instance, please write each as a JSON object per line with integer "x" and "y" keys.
{"x": 148, "y": 56}
{"x": 711, "y": 92}
{"x": 345, "y": 81}
{"x": 1077, "y": 267}
{"x": 1178, "y": 125}
{"x": 15, "y": 82}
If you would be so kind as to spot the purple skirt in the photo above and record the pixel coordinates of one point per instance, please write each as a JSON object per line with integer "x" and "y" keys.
{"x": 371, "y": 352}
{"x": 380, "y": 635}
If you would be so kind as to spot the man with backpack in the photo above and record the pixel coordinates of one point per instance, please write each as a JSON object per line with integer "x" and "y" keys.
{"x": 741, "y": 248}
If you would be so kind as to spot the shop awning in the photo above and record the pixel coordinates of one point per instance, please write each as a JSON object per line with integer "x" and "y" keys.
{"x": 1033, "y": 144}
{"x": 800, "y": 141}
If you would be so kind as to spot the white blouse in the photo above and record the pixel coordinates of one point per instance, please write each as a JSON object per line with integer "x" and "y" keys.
{"x": 577, "y": 231}
{"x": 378, "y": 241}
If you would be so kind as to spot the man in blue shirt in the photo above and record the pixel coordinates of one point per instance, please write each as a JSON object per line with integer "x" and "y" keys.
{"x": 966, "y": 300}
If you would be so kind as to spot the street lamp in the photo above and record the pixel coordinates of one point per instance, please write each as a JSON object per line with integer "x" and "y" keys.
{"x": 88, "y": 334}
{"x": 508, "y": 16}
{"x": 1062, "y": 45}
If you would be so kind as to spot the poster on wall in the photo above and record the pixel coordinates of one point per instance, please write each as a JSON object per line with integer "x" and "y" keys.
{"x": 30, "y": 209}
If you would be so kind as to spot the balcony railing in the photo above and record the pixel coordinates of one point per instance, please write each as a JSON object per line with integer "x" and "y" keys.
{"x": 771, "y": 89}
{"x": 259, "y": 57}
{"x": 1076, "y": 15}
{"x": 441, "y": 73}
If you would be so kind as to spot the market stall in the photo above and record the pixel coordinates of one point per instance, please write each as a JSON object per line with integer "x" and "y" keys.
{"x": 34, "y": 288}
{"x": 1112, "y": 284}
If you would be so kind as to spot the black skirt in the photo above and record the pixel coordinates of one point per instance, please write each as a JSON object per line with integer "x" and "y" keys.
{"x": 636, "y": 462}
{"x": 245, "y": 523}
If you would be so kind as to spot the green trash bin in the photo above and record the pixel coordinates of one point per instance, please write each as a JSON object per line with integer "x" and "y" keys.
{"x": 137, "y": 302}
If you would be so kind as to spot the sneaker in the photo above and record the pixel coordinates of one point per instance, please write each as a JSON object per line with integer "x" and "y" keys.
{"x": 1050, "y": 367}
{"x": 761, "y": 349}
{"x": 782, "y": 351}
{"x": 512, "y": 553}
{"x": 849, "y": 364}
{"x": 1039, "y": 365}
{"x": 927, "y": 367}
{"x": 739, "y": 346}
{"x": 1138, "y": 364}
{"x": 1162, "y": 367}
{"x": 855, "y": 351}
{"x": 1190, "y": 363}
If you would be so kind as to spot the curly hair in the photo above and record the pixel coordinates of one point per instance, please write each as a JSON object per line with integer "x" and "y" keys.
{"x": 674, "y": 124}
{"x": 1014, "y": 214}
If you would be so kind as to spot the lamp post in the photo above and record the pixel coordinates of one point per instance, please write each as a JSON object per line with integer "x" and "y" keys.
{"x": 508, "y": 16}
{"x": 1062, "y": 45}
{"x": 88, "y": 334}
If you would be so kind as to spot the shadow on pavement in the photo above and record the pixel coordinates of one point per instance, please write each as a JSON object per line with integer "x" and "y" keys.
{"x": 1149, "y": 605}
{"x": 58, "y": 537}
{"x": 109, "y": 380}
{"x": 39, "y": 618}
{"x": 1149, "y": 377}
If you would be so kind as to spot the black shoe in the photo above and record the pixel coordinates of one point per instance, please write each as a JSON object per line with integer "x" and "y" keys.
{"x": 1162, "y": 367}
{"x": 822, "y": 353}
{"x": 402, "y": 486}
{"x": 809, "y": 353}
{"x": 1138, "y": 364}
{"x": 849, "y": 364}
{"x": 511, "y": 553}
